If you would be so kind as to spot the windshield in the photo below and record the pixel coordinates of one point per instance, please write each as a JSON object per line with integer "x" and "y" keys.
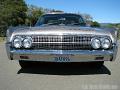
{"x": 60, "y": 19}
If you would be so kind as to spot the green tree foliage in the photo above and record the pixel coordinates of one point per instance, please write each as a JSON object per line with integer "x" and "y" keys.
{"x": 16, "y": 12}
{"x": 88, "y": 18}
{"x": 12, "y": 13}
{"x": 95, "y": 24}
{"x": 110, "y": 25}
{"x": 118, "y": 28}
{"x": 33, "y": 13}
{"x": 114, "y": 25}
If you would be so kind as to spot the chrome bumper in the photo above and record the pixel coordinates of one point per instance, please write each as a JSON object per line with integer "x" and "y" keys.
{"x": 50, "y": 55}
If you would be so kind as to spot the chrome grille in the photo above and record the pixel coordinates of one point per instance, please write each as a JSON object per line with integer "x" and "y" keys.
{"x": 62, "y": 42}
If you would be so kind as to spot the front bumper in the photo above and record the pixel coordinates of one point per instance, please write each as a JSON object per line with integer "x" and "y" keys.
{"x": 51, "y": 55}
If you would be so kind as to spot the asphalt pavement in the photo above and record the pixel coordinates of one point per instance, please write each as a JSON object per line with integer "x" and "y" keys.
{"x": 58, "y": 76}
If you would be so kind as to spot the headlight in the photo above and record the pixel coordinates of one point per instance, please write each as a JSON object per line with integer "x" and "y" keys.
{"x": 96, "y": 44}
{"x": 105, "y": 43}
{"x": 27, "y": 42}
{"x": 17, "y": 42}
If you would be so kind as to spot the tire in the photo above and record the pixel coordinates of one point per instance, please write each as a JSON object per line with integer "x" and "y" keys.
{"x": 26, "y": 64}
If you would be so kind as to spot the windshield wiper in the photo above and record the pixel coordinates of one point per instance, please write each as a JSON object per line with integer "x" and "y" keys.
{"x": 77, "y": 23}
{"x": 52, "y": 23}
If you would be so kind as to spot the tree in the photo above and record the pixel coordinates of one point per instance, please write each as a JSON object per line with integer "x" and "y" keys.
{"x": 12, "y": 13}
{"x": 33, "y": 13}
{"x": 88, "y": 18}
{"x": 95, "y": 24}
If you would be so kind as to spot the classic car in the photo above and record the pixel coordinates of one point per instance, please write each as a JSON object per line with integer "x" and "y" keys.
{"x": 61, "y": 38}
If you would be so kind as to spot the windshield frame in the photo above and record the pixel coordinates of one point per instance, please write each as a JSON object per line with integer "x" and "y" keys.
{"x": 42, "y": 18}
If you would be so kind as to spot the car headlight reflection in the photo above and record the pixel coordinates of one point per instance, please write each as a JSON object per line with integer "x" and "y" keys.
{"x": 17, "y": 43}
{"x": 96, "y": 44}
{"x": 105, "y": 43}
{"x": 27, "y": 42}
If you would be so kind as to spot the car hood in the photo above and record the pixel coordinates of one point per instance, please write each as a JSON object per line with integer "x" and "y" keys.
{"x": 60, "y": 30}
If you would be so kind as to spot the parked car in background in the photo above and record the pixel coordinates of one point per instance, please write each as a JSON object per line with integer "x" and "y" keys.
{"x": 62, "y": 37}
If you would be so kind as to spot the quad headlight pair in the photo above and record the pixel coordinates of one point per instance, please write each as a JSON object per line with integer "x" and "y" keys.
{"x": 19, "y": 42}
{"x": 96, "y": 43}
{"x": 104, "y": 43}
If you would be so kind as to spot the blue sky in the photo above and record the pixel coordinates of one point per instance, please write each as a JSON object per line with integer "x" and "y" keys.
{"x": 104, "y": 11}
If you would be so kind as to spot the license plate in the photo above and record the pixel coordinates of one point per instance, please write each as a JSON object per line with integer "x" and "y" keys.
{"x": 62, "y": 59}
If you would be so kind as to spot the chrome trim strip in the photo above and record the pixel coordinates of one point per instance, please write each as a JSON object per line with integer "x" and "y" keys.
{"x": 83, "y": 52}
{"x": 50, "y": 55}
{"x": 60, "y": 42}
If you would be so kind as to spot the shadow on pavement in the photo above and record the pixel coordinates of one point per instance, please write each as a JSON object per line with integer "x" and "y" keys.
{"x": 65, "y": 69}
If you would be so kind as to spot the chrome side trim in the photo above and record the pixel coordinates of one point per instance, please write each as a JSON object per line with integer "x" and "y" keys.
{"x": 115, "y": 48}
{"x": 7, "y": 45}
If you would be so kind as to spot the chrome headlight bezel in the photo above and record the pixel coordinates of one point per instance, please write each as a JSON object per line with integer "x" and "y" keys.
{"x": 105, "y": 43}
{"x": 27, "y": 42}
{"x": 17, "y": 42}
{"x": 96, "y": 43}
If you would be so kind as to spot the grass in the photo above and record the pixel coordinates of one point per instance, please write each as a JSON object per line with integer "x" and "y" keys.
{"x": 119, "y": 34}
{"x": 2, "y": 39}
